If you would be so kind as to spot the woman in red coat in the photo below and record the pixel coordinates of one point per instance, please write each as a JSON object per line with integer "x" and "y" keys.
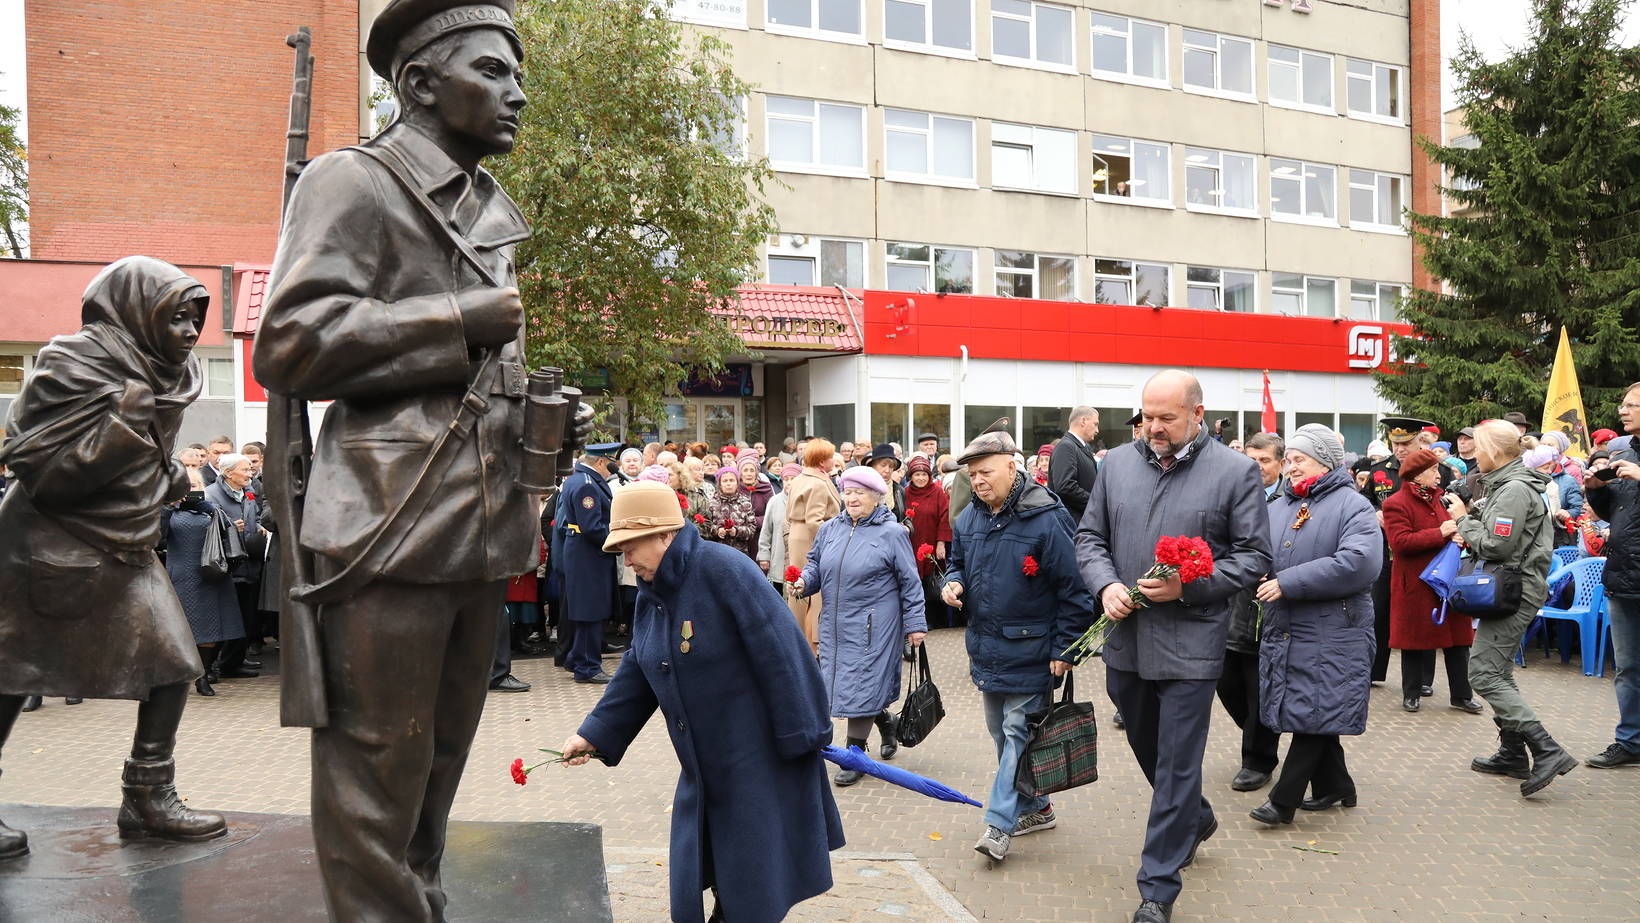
{"x": 1417, "y": 526}
{"x": 930, "y": 525}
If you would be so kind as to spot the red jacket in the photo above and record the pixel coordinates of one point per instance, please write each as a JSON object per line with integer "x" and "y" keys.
{"x": 930, "y": 521}
{"x": 1412, "y": 525}
{"x": 525, "y": 588}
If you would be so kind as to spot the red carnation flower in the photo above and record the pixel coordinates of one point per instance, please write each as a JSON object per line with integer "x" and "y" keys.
{"x": 683, "y": 502}
{"x": 728, "y": 523}
{"x": 250, "y": 495}
{"x": 925, "y": 552}
{"x": 1379, "y": 477}
{"x": 1028, "y": 567}
{"x": 700, "y": 520}
{"x": 519, "y": 774}
{"x": 1192, "y": 556}
{"x": 793, "y": 572}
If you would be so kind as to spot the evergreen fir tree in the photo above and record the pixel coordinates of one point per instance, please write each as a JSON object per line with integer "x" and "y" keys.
{"x": 1554, "y": 235}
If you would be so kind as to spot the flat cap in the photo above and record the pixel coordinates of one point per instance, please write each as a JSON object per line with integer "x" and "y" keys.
{"x": 407, "y": 26}
{"x": 988, "y": 444}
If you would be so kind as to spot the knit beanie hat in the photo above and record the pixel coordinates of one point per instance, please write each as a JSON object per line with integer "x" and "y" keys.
{"x": 863, "y": 476}
{"x": 791, "y": 470}
{"x": 658, "y": 473}
{"x": 1318, "y": 442}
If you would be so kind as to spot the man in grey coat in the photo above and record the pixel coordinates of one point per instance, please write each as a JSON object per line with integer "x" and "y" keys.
{"x": 1162, "y": 663}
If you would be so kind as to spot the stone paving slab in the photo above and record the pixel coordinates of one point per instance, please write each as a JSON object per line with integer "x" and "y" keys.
{"x": 1430, "y": 840}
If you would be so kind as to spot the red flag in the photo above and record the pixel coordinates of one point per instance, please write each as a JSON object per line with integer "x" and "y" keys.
{"x": 1267, "y": 420}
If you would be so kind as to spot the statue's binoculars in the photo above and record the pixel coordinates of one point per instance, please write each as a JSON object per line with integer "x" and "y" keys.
{"x": 549, "y": 423}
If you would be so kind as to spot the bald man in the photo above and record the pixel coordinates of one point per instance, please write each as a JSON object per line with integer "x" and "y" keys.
{"x": 1165, "y": 655}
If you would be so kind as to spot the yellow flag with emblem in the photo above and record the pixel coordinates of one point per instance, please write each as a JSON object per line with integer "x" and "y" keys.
{"x": 1563, "y": 406}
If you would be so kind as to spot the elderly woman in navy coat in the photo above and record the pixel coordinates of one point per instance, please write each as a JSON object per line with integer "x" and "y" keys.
{"x": 861, "y": 559}
{"x": 715, "y": 649}
{"x": 1317, "y": 641}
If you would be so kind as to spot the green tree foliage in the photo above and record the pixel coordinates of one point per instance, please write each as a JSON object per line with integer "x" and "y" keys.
{"x": 643, "y": 216}
{"x": 1554, "y": 234}
{"x": 13, "y": 185}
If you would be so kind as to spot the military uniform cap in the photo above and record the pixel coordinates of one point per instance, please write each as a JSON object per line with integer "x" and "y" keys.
{"x": 1000, "y": 426}
{"x": 1136, "y": 418}
{"x": 1403, "y": 429}
{"x": 606, "y": 449}
{"x": 407, "y": 26}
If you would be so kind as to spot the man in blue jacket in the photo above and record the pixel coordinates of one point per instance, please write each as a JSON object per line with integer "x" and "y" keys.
{"x": 1012, "y": 566}
{"x": 1163, "y": 661}
{"x": 592, "y": 590}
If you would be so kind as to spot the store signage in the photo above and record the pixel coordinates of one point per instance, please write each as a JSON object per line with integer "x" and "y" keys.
{"x": 1299, "y": 6}
{"x": 734, "y": 381}
{"x": 1369, "y": 346}
{"x": 772, "y": 331}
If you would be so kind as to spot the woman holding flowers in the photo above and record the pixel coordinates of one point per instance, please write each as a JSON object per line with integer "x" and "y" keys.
{"x": 874, "y": 602}
{"x": 728, "y": 517}
{"x": 1317, "y": 638}
{"x": 929, "y": 511}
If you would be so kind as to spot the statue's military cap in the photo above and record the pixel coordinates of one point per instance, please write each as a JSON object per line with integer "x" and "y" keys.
{"x": 407, "y": 26}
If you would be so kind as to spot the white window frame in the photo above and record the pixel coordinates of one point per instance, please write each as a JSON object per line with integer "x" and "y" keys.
{"x": 1380, "y": 298}
{"x": 1371, "y": 115}
{"x": 934, "y": 251}
{"x": 209, "y": 393}
{"x": 1033, "y": 23}
{"x": 1131, "y": 24}
{"x": 1215, "y": 160}
{"x": 1217, "y": 287}
{"x": 930, "y": 46}
{"x": 1100, "y": 152}
{"x": 814, "y": 120}
{"x": 812, "y": 247}
{"x": 1032, "y": 144}
{"x": 1303, "y": 292}
{"x": 1217, "y": 50}
{"x": 929, "y": 177}
{"x": 1035, "y": 273}
{"x": 738, "y": 143}
{"x": 1379, "y": 180}
{"x": 1131, "y": 279}
{"x": 1297, "y": 67}
{"x": 814, "y": 31}
{"x": 1304, "y": 169}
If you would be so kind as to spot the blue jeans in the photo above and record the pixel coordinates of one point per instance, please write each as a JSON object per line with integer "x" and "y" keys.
{"x": 1625, "y": 616}
{"x": 1005, "y": 719}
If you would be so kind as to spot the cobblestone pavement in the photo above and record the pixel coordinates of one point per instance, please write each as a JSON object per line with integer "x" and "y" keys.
{"x": 1430, "y": 840}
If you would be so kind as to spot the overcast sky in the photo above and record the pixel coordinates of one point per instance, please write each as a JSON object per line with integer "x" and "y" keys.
{"x": 1494, "y": 24}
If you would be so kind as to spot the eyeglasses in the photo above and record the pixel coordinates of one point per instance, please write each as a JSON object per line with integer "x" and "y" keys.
{"x": 1629, "y": 407}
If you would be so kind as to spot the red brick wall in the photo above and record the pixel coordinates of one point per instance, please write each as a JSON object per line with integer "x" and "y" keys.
{"x": 158, "y": 126}
{"x": 1425, "y": 93}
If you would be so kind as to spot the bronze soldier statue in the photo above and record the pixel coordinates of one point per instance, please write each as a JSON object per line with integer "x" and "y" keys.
{"x": 86, "y": 608}
{"x": 394, "y": 295}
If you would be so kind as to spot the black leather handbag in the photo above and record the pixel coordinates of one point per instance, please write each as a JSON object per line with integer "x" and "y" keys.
{"x": 923, "y": 709}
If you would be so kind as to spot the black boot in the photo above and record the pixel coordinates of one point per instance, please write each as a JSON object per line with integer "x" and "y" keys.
{"x": 886, "y": 726}
{"x": 32, "y": 703}
{"x": 1510, "y": 760}
{"x": 846, "y": 777}
{"x": 203, "y": 684}
{"x": 1548, "y": 759}
{"x": 13, "y": 843}
{"x": 150, "y": 807}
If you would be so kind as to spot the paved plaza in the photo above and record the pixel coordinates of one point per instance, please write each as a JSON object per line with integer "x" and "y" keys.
{"x": 1430, "y": 841}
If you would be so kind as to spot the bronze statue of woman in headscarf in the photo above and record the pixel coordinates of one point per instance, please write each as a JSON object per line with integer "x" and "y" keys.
{"x": 89, "y": 610}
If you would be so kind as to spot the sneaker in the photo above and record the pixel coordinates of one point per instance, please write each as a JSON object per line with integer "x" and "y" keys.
{"x": 1613, "y": 756}
{"x": 993, "y": 844}
{"x": 1036, "y": 821}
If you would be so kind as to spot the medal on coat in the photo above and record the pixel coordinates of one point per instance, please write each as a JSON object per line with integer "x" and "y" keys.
{"x": 688, "y": 632}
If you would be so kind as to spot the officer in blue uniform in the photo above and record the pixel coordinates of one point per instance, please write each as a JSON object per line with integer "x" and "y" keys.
{"x": 591, "y": 586}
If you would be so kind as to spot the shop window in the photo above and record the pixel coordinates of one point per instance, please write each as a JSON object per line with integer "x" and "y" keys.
{"x": 928, "y": 148}
{"x": 1232, "y": 429}
{"x": 1357, "y": 431}
{"x": 1306, "y": 191}
{"x": 751, "y": 430}
{"x": 1219, "y": 181}
{"x": 934, "y": 25}
{"x": 1305, "y": 419}
{"x": 219, "y": 378}
{"x": 1294, "y": 294}
{"x": 927, "y": 268}
{"x": 11, "y": 374}
{"x": 1126, "y": 170}
{"x": 1129, "y": 49}
{"x": 802, "y": 260}
{"x": 1373, "y": 91}
{"x": 1375, "y": 201}
{"x": 1130, "y": 282}
{"x": 1034, "y": 34}
{"x": 833, "y": 422}
{"x": 806, "y": 134}
{"x": 1113, "y": 427}
{"x": 1303, "y": 79}
{"x": 889, "y": 423}
{"x": 976, "y": 417}
{"x": 1218, "y": 64}
{"x": 816, "y": 18}
{"x": 1211, "y": 289}
{"x": 1033, "y": 275}
{"x": 682, "y": 421}
{"x": 1375, "y": 301}
{"x": 1039, "y": 159}
{"x": 1042, "y": 426}
{"x": 930, "y": 418}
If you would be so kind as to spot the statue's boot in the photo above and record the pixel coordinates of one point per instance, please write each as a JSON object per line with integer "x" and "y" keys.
{"x": 13, "y": 843}
{"x": 151, "y": 807}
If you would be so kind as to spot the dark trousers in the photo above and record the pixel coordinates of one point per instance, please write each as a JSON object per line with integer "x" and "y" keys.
{"x": 1238, "y": 691}
{"x": 406, "y": 669}
{"x": 1418, "y": 670}
{"x": 1167, "y": 729}
{"x": 501, "y": 665}
{"x": 1380, "y": 622}
{"x": 1315, "y": 761}
{"x": 232, "y": 658}
{"x": 586, "y": 649}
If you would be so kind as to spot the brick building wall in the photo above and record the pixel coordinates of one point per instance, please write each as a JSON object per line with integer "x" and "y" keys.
{"x": 158, "y": 126}
{"x": 1425, "y": 92}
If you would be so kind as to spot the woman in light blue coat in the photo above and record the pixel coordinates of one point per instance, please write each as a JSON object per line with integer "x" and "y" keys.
{"x": 1317, "y": 641}
{"x": 861, "y": 560}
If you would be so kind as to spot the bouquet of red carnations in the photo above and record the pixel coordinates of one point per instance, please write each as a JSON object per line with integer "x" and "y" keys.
{"x": 926, "y": 554}
{"x": 1189, "y": 558}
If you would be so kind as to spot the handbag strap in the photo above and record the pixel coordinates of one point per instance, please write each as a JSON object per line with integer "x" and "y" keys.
{"x": 1069, "y": 694}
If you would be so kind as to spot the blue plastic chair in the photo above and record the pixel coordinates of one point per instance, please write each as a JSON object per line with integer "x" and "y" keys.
{"x": 1588, "y": 611}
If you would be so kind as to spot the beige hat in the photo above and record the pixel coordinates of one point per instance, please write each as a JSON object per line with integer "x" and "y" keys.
{"x": 642, "y": 508}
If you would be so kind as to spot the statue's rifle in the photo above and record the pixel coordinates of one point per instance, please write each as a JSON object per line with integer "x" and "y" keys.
{"x": 302, "y": 701}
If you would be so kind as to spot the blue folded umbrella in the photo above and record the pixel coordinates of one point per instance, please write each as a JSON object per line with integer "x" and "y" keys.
{"x": 853, "y": 758}
{"x": 1440, "y": 574}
